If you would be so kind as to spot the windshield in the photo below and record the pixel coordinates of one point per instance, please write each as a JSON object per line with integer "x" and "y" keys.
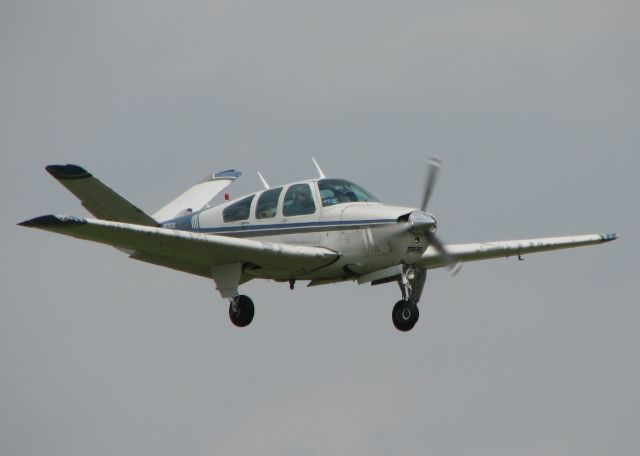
{"x": 337, "y": 191}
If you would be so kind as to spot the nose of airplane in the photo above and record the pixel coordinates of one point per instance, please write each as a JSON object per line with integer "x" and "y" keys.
{"x": 421, "y": 222}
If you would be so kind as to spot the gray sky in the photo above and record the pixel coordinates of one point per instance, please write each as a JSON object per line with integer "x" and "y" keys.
{"x": 533, "y": 107}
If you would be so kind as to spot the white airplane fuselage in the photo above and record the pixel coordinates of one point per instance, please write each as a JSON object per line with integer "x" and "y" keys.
{"x": 368, "y": 235}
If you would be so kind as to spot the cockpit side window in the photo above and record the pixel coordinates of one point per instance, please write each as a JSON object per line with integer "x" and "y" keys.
{"x": 337, "y": 191}
{"x": 298, "y": 201}
{"x": 237, "y": 211}
{"x": 268, "y": 203}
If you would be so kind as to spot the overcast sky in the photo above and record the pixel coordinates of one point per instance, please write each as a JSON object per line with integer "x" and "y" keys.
{"x": 533, "y": 107}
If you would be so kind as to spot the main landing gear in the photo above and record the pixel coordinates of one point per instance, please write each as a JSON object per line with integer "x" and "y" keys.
{"x": 241, "y": 310}
{"x": 405, "y": 313}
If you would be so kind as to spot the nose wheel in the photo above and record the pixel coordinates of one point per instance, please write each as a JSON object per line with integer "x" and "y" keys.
{"x": 241, "y": 310}
{"x": 405, "y": 315}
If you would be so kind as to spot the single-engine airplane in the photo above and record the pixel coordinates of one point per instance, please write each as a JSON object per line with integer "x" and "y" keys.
{"x": 323, "y": 230}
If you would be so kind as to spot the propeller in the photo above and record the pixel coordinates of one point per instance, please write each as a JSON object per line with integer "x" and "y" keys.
{"x": 433, "y": 169}
{"x": 453, "y": 265}
{"x": 424, "y": 220}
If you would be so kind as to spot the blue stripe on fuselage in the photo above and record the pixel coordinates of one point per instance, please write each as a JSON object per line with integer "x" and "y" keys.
{"x": 281, "y": 228}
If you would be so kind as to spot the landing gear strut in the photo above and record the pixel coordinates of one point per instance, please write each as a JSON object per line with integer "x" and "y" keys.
{"x": 405, "y": 313}
{"x": 241, "y": 310}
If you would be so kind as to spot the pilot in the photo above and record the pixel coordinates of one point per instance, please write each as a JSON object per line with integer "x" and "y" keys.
{"x": 342, "y": 196}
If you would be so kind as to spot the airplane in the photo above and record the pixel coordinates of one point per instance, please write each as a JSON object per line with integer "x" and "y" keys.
{"x": 322, "y": 230}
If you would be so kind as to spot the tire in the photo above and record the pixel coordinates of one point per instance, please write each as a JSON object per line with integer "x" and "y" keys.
{"x": 241, "y": 311}
{"x": 405, "y": 315}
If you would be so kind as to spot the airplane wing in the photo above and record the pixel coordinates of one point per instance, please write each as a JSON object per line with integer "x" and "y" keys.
{"x": 497, "y": 249}
{"x": 96, "y": 197}
{"x": 191, "y": 252}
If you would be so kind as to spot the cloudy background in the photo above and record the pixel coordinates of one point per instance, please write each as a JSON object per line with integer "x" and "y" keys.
{"x": 533, "y": 107}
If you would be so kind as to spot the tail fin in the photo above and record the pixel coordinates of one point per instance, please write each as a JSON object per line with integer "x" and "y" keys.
{"x": 97, "y": 198}
{"x": 198, "y": 196}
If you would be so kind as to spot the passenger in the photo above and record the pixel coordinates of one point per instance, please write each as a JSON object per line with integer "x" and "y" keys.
{"x": 303, "y": 203}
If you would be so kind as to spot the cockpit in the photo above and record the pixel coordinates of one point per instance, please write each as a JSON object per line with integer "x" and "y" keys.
{"x": 296, "y": 200}
{"x": 337, "y": 191}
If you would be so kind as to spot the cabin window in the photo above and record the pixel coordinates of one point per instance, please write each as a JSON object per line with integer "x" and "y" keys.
{"x": 337, "y": 191}
{"x": 238, "y": 211}
{"x": 298, "y": 201}
{"x": 268, "y": 203}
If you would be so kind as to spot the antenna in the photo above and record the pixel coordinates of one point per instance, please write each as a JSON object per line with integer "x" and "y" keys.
{"x": 320, "y": 173}
{"x": 264, "y": 182}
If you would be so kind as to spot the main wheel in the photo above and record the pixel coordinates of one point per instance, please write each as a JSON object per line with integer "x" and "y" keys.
{"x": 241, "y": 311}
{"x": 405, "y": 315}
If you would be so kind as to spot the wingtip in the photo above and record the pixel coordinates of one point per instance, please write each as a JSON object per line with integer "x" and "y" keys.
{"x": 68, "y": 171}
{"x": 53, "y": 221}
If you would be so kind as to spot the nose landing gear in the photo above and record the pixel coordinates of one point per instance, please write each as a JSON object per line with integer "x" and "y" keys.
{"x": 241, "y": 310}
{"x": 405, "y": 313}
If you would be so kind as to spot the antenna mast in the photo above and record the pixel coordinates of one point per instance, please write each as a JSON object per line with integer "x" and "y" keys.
{"x": 320, "y": 173}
